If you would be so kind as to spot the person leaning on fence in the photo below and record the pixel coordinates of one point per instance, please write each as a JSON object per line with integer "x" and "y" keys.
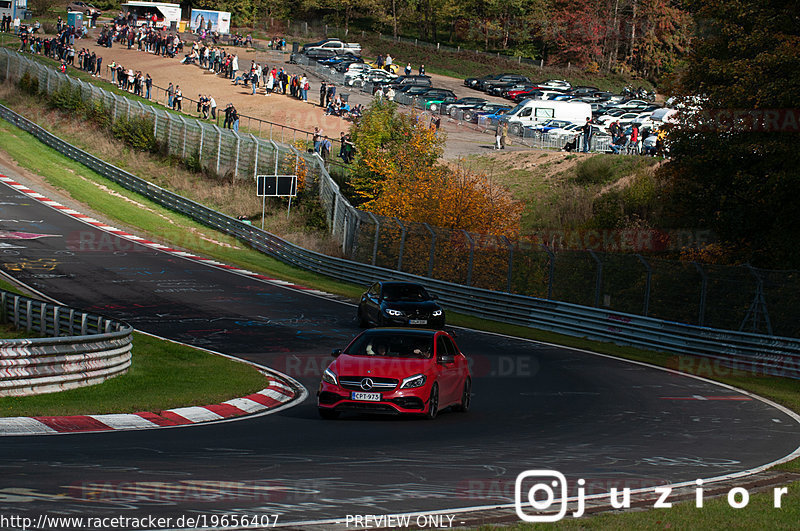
{"x": 587, "y": 131}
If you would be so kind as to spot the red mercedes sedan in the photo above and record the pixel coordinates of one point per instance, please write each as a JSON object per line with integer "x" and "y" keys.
{"x": 396, "y": 371}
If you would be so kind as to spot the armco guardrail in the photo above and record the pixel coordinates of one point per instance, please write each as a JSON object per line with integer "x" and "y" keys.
{"x": 80, "y": 350}
{"x": 765, "y": 354}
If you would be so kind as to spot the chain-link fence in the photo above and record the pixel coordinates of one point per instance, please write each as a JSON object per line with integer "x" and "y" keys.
{"x": 727, "y": 297}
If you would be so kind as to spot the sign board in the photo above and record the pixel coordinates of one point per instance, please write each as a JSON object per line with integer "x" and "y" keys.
{"x": 276, "y": 185}
{"x": 205, "y": 19}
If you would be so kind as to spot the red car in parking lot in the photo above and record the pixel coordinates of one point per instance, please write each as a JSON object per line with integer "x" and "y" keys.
{"x": 396, "y": 371}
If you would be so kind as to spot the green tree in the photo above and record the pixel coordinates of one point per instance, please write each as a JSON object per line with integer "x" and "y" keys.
{"x": 742, "y": 182}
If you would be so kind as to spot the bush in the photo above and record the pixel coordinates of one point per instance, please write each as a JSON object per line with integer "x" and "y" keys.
{"x": 28, "y": 84}
{"x": 98, "y": 114}
{"x": 136, "y": 132}
{"x": 595, "y": 170}
{"x": 67, "y": 99}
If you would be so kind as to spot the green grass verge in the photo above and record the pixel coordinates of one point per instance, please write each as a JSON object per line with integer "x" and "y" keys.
{"x": 163, "y": 375}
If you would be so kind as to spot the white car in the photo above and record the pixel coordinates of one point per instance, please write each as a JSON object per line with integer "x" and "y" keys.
{"x": 557, "y": 83}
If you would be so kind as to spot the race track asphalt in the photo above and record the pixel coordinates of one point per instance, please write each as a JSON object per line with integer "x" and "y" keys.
{"x": 535, "y": 406}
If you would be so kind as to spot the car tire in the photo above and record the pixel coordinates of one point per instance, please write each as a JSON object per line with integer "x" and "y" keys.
{"x": 466, "y": 398}
{"x": 433, "y": 403}
{"x": 467, "y": 116}
{"x": 434, "y": 107}
{"x": 328, "y": 414}
{"x": 514, "y": 129}
{"x": 362, "y": 321}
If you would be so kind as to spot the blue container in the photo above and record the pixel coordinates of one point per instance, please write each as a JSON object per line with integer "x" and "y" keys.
{"x": 75, "y": 19}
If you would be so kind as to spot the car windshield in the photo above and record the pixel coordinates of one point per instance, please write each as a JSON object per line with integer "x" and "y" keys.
{"x": 405, "y": 292}
{"x": 394, "y": 345}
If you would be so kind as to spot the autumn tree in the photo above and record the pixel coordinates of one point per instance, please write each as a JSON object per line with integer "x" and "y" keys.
{"x": 399, "y": 174}
{"x": 741, "y": 179}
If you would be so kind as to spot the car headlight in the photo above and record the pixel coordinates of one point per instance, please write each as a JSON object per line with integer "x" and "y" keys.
{"x": 418, "y": 380}
{"x": 394, "y": 313}
{"x": 437, "y": 313}
{"x": 330, "y": 377}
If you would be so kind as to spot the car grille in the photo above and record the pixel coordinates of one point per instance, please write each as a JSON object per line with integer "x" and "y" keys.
{"x": 378, "y": 384}
{"x": 367, "y": 408}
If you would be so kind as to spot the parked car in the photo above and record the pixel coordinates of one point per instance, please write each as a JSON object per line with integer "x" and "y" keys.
{"x": 399, "y": 304}
{"x": 434, "y": 98}
{"x": 333, "y": 45}
{"x": 394, "y": 68}
{"x": 476, "y": 82}
{"x": 488, "y": 111}
{"x": 556, "y": 84}
{"x": 504, "y": 81}
{"x": 83, "y": 7}
{"x": 464, "y": 103}
{"x": 396, "y": 371}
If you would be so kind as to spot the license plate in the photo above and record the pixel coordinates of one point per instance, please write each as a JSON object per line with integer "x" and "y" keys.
{"x": 369, "y": 397}
{"x": 417, "y": 321}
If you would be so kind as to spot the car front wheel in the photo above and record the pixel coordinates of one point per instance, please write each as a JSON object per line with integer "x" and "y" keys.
{"x": 433, "y": 403}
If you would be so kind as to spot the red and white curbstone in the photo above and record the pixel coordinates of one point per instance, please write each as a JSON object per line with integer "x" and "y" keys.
{"x": 274, "y": 396}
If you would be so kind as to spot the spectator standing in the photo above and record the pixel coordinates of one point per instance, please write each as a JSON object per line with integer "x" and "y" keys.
{"x": 408, "y": 69}
{"x": 213, "y": 105}
{"x": 148, "y": 84}
{"x": 388, "y": 63}
{"x": 587, "y": 131}
{"x": 234, "y": 119}
{"x": 325, "y": 148}
{"x": 422, "y": 70}
{"x": 323, "y": 92}
{"x": 170, "y": 95}
{"x": 178, "y": 99}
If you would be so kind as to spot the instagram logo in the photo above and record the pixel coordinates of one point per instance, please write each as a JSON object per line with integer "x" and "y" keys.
{"x": 540, "y": 495}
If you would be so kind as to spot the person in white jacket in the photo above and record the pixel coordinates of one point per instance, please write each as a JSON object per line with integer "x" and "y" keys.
{"x": 234, "y": 65}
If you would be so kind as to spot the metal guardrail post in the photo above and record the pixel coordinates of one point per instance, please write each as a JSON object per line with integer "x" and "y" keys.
{"x": 647, "y": 283}
{"x": 255, "y": 156}
{"x": 551, "y": 271}
{"x": 759, "y": 305}
{"x": 471, "y": 257}
{"x": 28, "y": 315}
{"x": 510, "y": 262}
{"x": 185, "y": 132}
{"x": 219, "y": 146}
{"x": 703, "y": 289}
{"x": 376, "y": 239}
{"x": 402, "y": 243}
{"x": 236, "y": 162}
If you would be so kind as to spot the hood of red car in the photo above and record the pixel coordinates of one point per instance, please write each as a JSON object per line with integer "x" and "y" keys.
{"x": 379, "y": 367}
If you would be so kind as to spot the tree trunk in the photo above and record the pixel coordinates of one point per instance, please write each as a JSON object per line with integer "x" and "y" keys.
{"x": 612, "y": 57}
{"x": 633, "y": 31}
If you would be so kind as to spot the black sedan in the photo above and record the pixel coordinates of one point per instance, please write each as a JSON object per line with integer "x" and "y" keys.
{"x": 399, "y": 304}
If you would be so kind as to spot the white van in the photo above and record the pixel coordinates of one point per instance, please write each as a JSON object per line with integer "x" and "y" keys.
{"x": 533, "y": 112}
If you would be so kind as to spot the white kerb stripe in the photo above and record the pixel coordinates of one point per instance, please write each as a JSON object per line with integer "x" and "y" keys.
{"x": 23, "y": 426}
{"x": 245, "y": 404}
{"x": 196, "y": 414}
{"x": 123, "y": 421}
{"x": 280, "y": 397}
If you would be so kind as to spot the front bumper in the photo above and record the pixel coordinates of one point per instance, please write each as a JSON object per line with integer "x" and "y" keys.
{"x": 395, "y": 402}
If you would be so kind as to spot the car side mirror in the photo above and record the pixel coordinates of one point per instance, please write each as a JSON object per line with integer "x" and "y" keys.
{"x": 445, "y": 359}
{"x": 336, "y": 352}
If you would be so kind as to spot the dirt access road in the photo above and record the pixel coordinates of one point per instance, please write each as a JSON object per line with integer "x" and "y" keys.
{"x": 462, "y": 140}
